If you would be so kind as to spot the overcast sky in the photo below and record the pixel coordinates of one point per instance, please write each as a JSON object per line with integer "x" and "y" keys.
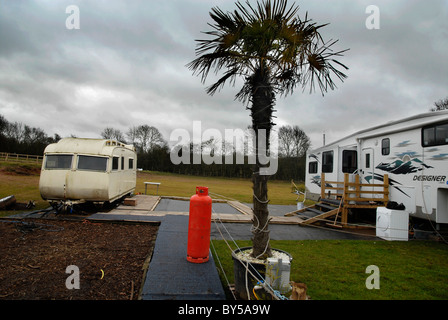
{"x": 125, "y": 66}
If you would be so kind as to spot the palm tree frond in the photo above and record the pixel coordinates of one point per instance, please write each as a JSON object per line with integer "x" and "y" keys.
{"x": 269, "y": 35}
{"x": 229, "y": 75}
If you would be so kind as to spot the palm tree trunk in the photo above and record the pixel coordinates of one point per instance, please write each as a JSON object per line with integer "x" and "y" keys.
{"x": 261, "y": 112}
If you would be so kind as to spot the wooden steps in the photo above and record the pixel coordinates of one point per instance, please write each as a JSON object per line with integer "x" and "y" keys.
{"x": 354, "y": 196}
{"x": 315, "y": 213}
{"x": 320, "y": 217}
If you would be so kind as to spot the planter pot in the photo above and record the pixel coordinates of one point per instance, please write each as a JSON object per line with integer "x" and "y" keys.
{"x": 243, "y": 270}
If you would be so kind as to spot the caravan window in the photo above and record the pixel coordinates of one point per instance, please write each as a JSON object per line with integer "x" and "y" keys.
{"x": 435, "y": 135}
{"x": 385, "y": 147}
{"x": 115, "y": 163}
{"x": 327, "y": 161}
{"x": 131, "y": 163}
{"x": 92, "y": 163}
{"x": 312, "y": 167}
{"x": 442, "y": 134}
{"x": 367, "y": 161}
{"x": 349, "y": 161}
{"x": 58, "y": 161}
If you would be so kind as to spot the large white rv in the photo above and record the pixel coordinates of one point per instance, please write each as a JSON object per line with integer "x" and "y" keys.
{"x": 413, "y": 152}
{"x": 77, "y": 170}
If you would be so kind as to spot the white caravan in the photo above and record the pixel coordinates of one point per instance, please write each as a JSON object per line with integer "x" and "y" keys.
{"x": 413, "y": 152}
{"x": 87, "y": 170}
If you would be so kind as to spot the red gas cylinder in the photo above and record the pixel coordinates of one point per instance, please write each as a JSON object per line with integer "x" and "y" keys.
{"x": 199, "y": 224}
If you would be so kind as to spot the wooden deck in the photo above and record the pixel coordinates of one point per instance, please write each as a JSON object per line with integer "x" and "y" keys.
{"x": 146, "y": 205}
{"x": 240, "y": 207}
{"x": 347, "y": 195}
{"x": 238, "y": 218}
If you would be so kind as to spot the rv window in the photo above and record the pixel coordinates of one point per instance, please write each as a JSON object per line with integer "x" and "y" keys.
{"x": 385, "y": 147}
{"x": 435, "y": 135}
{"x": 131, "y": 163}
{"x": 349, "y": 161}
{"x": 312, "y": 167}
{"x": 122, "y": 163}
{"x": 367, "y": 160}
{"x": 92, "y": 163}
{"x": 442, "y": 134}
{"x": 428, "y": 137}
{"x": 327, "y": 161}
{"x": 61, "y": 161}
{"x": 115, "y": 163}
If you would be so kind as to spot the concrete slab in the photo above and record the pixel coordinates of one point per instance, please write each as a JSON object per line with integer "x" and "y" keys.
{"x": 224, "y": 208}
{"x": 173, "y": 205}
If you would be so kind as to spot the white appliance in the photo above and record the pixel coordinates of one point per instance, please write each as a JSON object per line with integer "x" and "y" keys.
{"x": 277, "y": 274}
{"x": 391, "y": 224}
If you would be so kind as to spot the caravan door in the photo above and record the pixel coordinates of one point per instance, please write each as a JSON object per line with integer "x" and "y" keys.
{"x": 367, "y": 165}
{"x": 367, "y": 169}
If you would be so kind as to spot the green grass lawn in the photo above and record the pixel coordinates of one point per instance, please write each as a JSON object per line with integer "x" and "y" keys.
{"x": 233, "y": 188}
{"x": 22, "y": 181}
{"x": 336, "y": 269}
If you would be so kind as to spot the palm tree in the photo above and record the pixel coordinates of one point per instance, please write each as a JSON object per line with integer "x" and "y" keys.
{"x": 273, "y": 50}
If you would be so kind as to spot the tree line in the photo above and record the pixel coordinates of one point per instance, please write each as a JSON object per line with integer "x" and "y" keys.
{"x": 16, "y": 137}
{"x": 153, "y": 151}
{"x": 440, "y": 105}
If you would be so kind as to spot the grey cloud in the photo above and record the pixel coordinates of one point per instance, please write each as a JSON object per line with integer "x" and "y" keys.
{"x": 126, "y": 66}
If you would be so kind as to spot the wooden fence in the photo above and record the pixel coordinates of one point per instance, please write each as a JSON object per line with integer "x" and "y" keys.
{"x": 355, "y": 195}
{"x": 20, "y": 157}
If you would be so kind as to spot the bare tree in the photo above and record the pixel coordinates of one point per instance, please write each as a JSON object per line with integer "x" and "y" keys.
{"x": 132, "y": 135}
{"x": 3, "y": 124}
{"x": 285, "y": 139}
{"x": 293, "y": 141}
{"x": 15, "y": 131}
{"x": 442, "y": 104}
{"x": 33, "y": 135}
{"x": 148, "y": 137}
{"x": 301, "y": 141}
{"x": 111, "y": 133}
